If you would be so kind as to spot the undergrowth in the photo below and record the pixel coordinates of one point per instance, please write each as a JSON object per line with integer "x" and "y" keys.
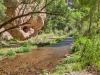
{"x": 85, "y": 52}
{"x": 11, "y": 52}
{"x": 88, "y": 50}
{"x": 27, "y": 45}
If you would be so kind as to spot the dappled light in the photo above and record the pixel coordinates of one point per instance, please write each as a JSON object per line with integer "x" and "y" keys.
{"x": 49, "y": 37}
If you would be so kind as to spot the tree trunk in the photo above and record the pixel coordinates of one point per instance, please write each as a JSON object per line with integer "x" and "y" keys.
{"x": 90, "y": 25}
{"x": 98, "y": 12}
{"x": 90, "y": 21}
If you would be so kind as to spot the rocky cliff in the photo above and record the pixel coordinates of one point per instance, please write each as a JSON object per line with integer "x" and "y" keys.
{"x": 15, "y": 8}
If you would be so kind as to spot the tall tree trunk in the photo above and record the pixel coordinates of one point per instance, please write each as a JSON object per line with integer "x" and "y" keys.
{"x": 98, "y": 12}
{"x": 90, "y": 21}
{"x": 81, "y": 26}
{"x": 90, "y": 24}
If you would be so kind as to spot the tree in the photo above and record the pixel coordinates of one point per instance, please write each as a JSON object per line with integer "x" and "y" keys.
{"x": 56, "y": 23}
{"x": 2, "y": 11}
{"x": 89, "y": 12}
{"x": 23, "y": 7}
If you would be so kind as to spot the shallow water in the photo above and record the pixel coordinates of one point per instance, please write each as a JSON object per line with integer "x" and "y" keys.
{"x": 33, "y": 63}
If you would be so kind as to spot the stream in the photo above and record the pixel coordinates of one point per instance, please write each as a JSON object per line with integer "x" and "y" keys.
{"x": 36, "y": 61}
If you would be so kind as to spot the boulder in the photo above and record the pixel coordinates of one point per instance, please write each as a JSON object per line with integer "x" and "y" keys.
{"x": 14, "y": 8}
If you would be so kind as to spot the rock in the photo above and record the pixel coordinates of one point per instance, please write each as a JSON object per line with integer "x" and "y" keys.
{"x": 6, "y": 35}
{"x": 66, "y": 55}
{"x": 27, "y": 30}
{"x": 5, "y": 43}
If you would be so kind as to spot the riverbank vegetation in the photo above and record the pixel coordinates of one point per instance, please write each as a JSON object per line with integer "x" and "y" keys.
{"x": 79, "y": 19}
{"x": 31, "y": 44}
{"x": 85, "y": 52}
{"x": 13, "y": 46}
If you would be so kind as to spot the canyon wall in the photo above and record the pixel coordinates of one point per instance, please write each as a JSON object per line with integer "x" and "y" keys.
{"x": 15, "y": 8}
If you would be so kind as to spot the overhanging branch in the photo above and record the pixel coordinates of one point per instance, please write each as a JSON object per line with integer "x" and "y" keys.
{"x": 14, "y": 18}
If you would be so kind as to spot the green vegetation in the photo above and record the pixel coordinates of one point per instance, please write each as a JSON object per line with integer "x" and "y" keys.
{"x": 89, "y": 50}
{"x": 23, "y": 49}
{"x": 11, "y": 52}
{"x": 2, "y": 12}
{"x": 29, "y": 45}
{"x": 82, "y": 22}
{"x": 71, "y": 59}
{"x": 85, "y": 53}
{"x": 2, "y": 53}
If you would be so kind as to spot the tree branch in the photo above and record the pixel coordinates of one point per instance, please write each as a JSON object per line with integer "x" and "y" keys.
{"x": 24, "y": 15}
{"x": 47, "y": 5}
{"x": 14, "y": 18}
{"x": 15, "y": 26}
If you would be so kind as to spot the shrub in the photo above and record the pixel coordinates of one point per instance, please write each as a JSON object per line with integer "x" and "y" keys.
{"x": 89, "y": 50}
{"x": 19, "y": 50}
{"x": 60, "y": 69}
{"x": 98, "y": 65}
{"x": 71, "y": 59}
{"x": 34, "y": 47}
{"x": 11, "y": 52}
{"x": 23, "y": 49}
{"x": 26, "y": 49}
{"x": 68, "y": 68}
{"x": 77, "y": 66}
{"x": 45, "y": 72}
{"x": 78, "y": 44}
{"x": 25, "y": 44}
{"x": 54, "y": 74}
{"x": 2, "y": 53}
{"x": 90, "y": 53}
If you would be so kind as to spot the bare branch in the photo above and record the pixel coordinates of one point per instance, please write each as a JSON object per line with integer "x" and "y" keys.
{"x": 23, "y": 15}
{"x": 15, "y": 26}
{"x": 14, "y": 18}
{"x": 36, "y": 6}
{"x": 20, "y": 9}
{"x": 47, "y": 5}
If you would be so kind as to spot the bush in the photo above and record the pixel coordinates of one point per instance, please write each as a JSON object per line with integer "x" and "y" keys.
{"x": 98, "y": 65}
{"x": 2, "y": 53}
{"x": 45, "y": 72}
{"x": 11, "y": 52}
{"x": 60, "y": 69}
{"x": 68, "y": 68}
{"x": 77, "y": 66}
{"x": 54, "y": 74}
{"x": 78, "y": 44}
{"x": 34, "y": 47}
{"x": 89, "y": 50}
{"x": 71, "y": 59}
{"x": 19, "y": 50}
{"x": 25, "y": 44}
{"x": 23, "y": 49}
{"x": 26, "y": 49}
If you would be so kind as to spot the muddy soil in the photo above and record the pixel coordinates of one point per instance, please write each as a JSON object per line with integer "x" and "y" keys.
{"x": 33, "y": 63}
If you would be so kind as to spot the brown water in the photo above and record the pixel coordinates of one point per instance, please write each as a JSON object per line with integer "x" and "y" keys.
{"x": 33, "y": 63}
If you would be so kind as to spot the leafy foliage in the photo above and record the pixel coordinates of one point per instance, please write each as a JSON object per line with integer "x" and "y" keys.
{"x": 11, "y": 52}
{"x": 72, "y": 59}
{"x": 2, "y": 12}
{"x": 2, "y": 53}
{"x": 56, "y": 23}
{"x": 89, "y": 50}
